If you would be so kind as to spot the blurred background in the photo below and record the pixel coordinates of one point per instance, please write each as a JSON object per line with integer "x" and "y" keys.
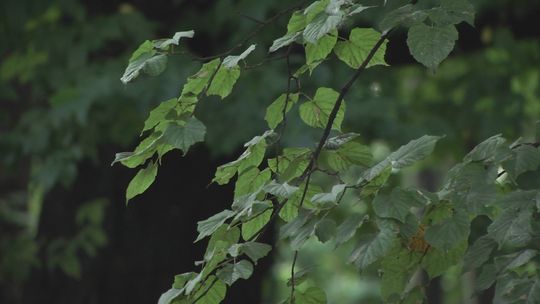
{"x": 66, "y": 235}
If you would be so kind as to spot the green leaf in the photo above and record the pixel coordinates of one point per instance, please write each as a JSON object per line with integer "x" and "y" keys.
{"x": 396, "y": 205}
{"x": 232, "y": 61}
{"x": 316, "y": 113}
{"x": 159, "y": 113}
{"x": 516, "y": 259}
{"x": 330, "y": 199}
{"x": 406, "y": 15}
{"x": 430, "y": 45}
{"x": 280, "y": 190}
{"x": 222, "y": 239}
{"x": 253, "y": 250}
{"x": 297, "y": 22}
{"x": 312, "y": 295}
{"x": 164, "y": 44}
{"x": 251, "y": 180}
{"x": 146, "y": 148}
{"x": 452, "y": 12}
{"x": 533, "y": 296}
{"x": 371, "y": 250}
{"x": 413, "y": 151}
{"x": 274, "y": 112}
{"x": 183, "y": 137}
{"x": 252, "y": 227}
{"x": 512, "y": 227}
{"x": 286, "y": 40}
{"x": 334, "y": 143}
{"x": 414, "y": 296}
{"x": 486, "y": 278}
{"x": 252, "y": 157}
{"x": 319, "y": 50}
{"x": 211, "y": 224}
{"x": 291, "y": 164}
{"x": 212, "y": 292}
{"x": 144, "y": 178}
{"x": 479, "y": 252}
{"x": 224, "y": 81}
{"x": 299, "y": 229}
{"x": 144, "y": 59}
{"x": 168, "y": 296}
{"x": 437, "y": 261}
{"x": 398, "y": 267}
{"x": 450, "y": 231}
{"x": 347, "y": 229}
{"x": 198, "y": 82}
{"x": 230, "y": 273}
{"x": 325, "y": 230}
{"x": 527, "y": 158}
{"x": 486, "y": 150}
{"x": 349, "y": 154}
{"x": 321, "y": 25}
{"x": 355, "y": 50}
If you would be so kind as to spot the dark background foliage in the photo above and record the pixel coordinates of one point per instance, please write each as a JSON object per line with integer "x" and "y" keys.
{"x": 66, "y": 235}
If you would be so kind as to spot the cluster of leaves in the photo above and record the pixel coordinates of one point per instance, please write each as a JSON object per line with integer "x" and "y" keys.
{"x": 413, "y": 229}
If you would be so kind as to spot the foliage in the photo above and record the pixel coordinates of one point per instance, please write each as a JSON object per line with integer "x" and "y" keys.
{"x": 412, "y": 229}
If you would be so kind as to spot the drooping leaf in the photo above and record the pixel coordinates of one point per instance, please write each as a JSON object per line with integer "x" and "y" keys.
{"x": 210, "y": 225}
{"x": 212, "y": 291}
{"x": 347, "y": 229}
{"x": 430, "y": 45}
{"x": 146, "y": 148}
{"x": 146, "y": 59}
{"x": 319, "y": 50}
{"x": 316, "y": 113}
{"x": 250, "y": 180}
{"x": 372, "y": 249}
{"x": 355, "y": 50}
{"x": 274, "y": 112}
{"x": 142, "y": 180}
{"x": 199, "y": 81}
{"x": 230, "y": 273}
{"x": 159, "y": 113}
{"x": 224, "y": 81}
{"x": 252, "y": 227}
{"x": 183, "y": 137}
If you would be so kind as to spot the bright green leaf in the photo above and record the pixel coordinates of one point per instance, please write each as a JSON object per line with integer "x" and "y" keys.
{"x": 144, "y": 178}
{"x": 316, "y": 113}
{"x": 355, "y": 50}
